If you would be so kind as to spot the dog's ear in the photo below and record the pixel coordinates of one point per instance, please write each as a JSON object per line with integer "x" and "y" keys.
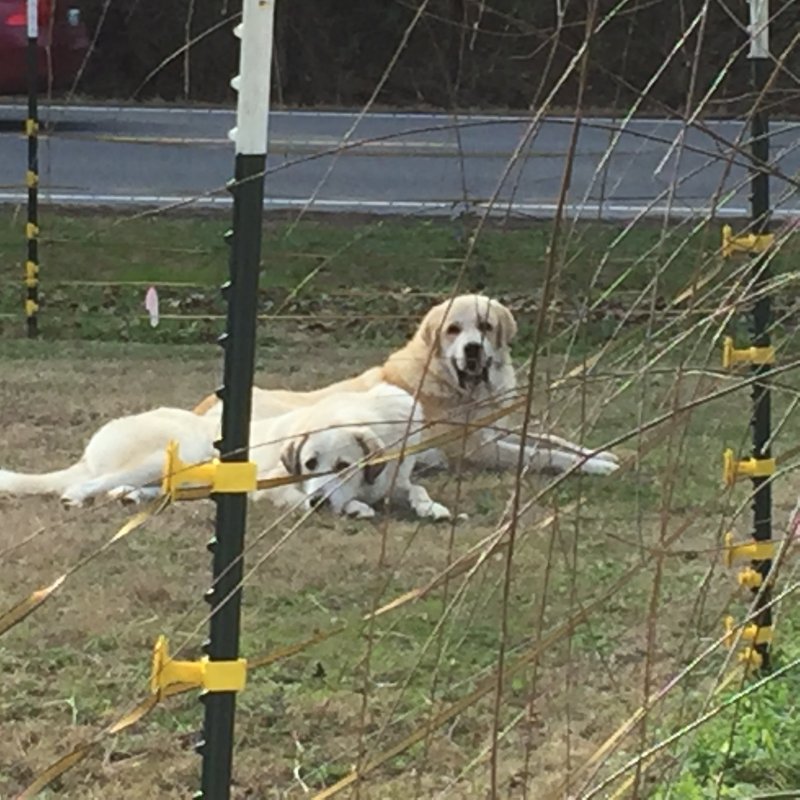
{"x": 290, "y": 455}
{"x": 431, "y": 325}
{"x": 506, "y": 324}
{"x": 370, "y": 444}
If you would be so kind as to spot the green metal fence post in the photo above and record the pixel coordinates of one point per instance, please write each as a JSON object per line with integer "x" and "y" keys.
{"x": 241, "y": 292}
{"x": 32, "y": 175}
{"x": 761, "y": 424}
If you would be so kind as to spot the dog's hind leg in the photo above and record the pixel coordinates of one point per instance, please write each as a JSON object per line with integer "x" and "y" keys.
{"x": 142, "y": 475}
{"x": 130, "y": 495}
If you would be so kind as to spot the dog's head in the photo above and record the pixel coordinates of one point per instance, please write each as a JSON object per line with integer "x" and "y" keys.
{"x": 330, "y": 459}
{"x": 471, "y": 334}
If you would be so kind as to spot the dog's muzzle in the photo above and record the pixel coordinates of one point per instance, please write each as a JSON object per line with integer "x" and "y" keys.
{"x": 476, "y": 366}
{"x": 318, "y": 500}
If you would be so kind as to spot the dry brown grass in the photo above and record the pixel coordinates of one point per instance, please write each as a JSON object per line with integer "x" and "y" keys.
{"x": 84, "y": 656}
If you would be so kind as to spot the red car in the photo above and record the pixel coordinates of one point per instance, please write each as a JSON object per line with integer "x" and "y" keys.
{"x": 63, "y": 44}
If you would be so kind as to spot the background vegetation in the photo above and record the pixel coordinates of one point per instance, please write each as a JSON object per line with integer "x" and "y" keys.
{"x": 461, "y": 54}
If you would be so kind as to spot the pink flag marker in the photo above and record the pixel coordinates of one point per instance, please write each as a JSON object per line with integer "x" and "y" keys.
{"x": 151, "y": 305}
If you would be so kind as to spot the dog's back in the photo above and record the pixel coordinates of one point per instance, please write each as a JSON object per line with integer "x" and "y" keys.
{"x": 389, "y": 410}
{"x": 274, "y": 402}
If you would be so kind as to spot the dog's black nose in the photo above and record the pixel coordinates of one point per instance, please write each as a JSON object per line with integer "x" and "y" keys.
{"x": 472, "y": 353}
{"x": 317, "y": 500}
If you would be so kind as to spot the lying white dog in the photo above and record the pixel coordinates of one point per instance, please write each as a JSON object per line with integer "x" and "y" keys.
{"x": 458, "y": 364}
{"x": 326, "y": 441}
{"x": 127, "y": 452}
{"x": 360, "y": 426}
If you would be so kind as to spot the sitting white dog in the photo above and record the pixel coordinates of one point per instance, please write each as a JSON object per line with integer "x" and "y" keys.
{"x": 329, "y": 442}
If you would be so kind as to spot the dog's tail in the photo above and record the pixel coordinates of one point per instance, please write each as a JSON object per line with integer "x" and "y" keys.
{"x": 45, "y": 483}
{"x": 206, "y": 404}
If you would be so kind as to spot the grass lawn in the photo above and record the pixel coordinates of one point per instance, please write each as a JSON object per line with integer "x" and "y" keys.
{"x": 637, "y": 553}
{"x": 376, "y": 276}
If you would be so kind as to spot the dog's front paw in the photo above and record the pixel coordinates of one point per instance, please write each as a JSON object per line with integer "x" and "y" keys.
{"x": 607, "y": 455}
{"x": 599, "y": 466}
{"x": 358, "y": 510}
{"x": 435, "y": 511}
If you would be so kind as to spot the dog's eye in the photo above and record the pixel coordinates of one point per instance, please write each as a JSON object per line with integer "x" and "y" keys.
{"x": 453, "y": 329}
{"x": 311, "y": 464}
{"x": 484, "y": 326}
{"x": 341, "y": 466}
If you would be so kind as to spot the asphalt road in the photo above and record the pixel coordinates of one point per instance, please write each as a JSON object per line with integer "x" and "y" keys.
{"x": 397, "y": 163}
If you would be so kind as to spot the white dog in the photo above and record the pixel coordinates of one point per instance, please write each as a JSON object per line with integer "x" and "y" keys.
{"x": 360, "y": 427}
{"x": 327, "y": 441}
{"x": 127, "y": 452}
{"x": 458, "y": 363}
